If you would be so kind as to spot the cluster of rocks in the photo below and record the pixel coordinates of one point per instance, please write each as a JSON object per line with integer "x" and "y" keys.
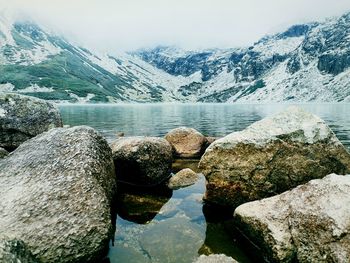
{"x": 274, "y": 161}
{"x": 58, "y": 185}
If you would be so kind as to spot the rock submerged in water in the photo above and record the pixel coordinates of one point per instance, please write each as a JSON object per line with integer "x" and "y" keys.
{"x": 56, "y": 191}
{"x": 23, "y": 117}
{"x": 3, "y": 153}
{"x": 186, "y": 142}
{"x": 183, "y": 178}
{"x": 310, "y": 223}
{"x": 14, "y": 251}
{"x": 142, "y": 160}
{"x": 215, "y": 258}
{"x": 271, "y": 156}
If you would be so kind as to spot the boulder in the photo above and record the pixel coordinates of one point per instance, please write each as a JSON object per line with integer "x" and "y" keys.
{"x": 183, "y": 178}
{"x": 56, "y": 191}
{"x": 23, "y": 117}
{"x": 271, "y": 156}
{"x": 142, "y": 160}
{"x": 15, "y": 251}
{"x": 3, "y": 153}
{"x": 215, "y": 258}
{"x": 310, "y": 223}
{"x": 186, "y": 142}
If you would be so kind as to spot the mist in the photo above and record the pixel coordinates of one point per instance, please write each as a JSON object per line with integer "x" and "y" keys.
{"x": 115, "y": 25}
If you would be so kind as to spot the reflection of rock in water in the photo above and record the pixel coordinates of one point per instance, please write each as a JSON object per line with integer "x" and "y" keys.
{"x": 140, "y": 205}
{"x": 221, "y": 237}
{"x": 180, "y": 164}
{"x": 173, "y": 240}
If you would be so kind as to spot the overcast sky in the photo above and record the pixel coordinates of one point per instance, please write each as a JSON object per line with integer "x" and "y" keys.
{"x": 113, "y": 25}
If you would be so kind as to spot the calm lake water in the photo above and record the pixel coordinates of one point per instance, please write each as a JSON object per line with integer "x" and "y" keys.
{"x": 173, "y": 226}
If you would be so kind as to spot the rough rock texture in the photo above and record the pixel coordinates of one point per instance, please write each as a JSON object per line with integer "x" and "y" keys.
{"x": 215, "y": 258}
{"x": 310, "y": 223}
{"x": 186, "y": 142}
{"x": 22, "y": 118}
{"x": 271, "y": 156}
{"x": 183, "y": 178}
{"x": 142, "y": 160}
{"x": 14, "y": 251}
{"x": 3, "y": 153}
{"x": 56, "y": 191}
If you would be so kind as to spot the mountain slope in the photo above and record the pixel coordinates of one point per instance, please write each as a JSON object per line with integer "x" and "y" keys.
{"x": 34, "y": 62}
{"x": 308, "y": 62}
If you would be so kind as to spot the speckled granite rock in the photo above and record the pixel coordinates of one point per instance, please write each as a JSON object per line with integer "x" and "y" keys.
{"x": 183, "y": 178}
{"x": 186, "y": 142}
{"x": 56, "y": 192}
{"x": 310, "y": 223}
{"x": 22, "y": 118}
{"x": 215, "y": 258}
{"x": 271, "y": 156}
{"x": 14, "y": 251}
{"x": 3, "y": 153}
{"x": 142, "y": 160}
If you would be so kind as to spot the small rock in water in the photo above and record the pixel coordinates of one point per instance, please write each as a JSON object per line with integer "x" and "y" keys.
{"x": 186, "y": 142}
{"x": 173, "y": 240}
{"x": 271, "y": 156}
{"x": 3, "y": 153}
{"x": 215, "y": 258}
{"x": 23, "y": 117}
{"x": 142, "y": 160}
{"x": 183, "y": 178}
{"x": 210, "y": 140}
{"x": 307, "y": 224}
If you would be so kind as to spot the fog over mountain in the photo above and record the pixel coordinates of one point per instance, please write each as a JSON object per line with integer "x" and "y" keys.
{"x": 117, "y": 25}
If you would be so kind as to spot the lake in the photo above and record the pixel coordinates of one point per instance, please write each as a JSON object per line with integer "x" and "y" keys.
{"x": 173, "y": 226}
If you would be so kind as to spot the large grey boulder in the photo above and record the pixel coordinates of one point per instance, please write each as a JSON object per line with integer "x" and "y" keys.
{"x": 15, "y": 251}
{"x": 271, "y": 156}
{"x": 142, "y": 160}
{"x": 23, "y": 117}
{"x": 310, "y": 223}
{"x": 56, "y": 191}
{"x": 186, "y": 142}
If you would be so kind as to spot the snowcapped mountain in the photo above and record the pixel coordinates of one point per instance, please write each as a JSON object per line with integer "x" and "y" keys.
{"x": 37, "y": 63}
{"x": 308, "y": 62}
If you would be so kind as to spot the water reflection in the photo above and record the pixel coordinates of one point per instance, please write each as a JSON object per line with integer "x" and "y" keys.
{"x": 141, "y": 205}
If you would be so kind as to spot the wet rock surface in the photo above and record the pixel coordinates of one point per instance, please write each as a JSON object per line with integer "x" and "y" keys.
{"x": 271, "y": 156}
{"x": 15, "y": 251}
{"x": 56, "y": 191}
{"x": 183, "y": 178}
{"x": 22, "y": 118}
{"x": 307, "y": 224}
{"x": 142, "y": 160}
{"x": 186, "y": 142}
{"x": 3, "y": 153}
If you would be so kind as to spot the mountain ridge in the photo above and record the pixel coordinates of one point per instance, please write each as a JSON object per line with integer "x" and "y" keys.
{"x": 306, "y": 62}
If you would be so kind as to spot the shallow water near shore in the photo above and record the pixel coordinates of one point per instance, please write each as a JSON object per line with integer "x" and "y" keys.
{"x": 173, "y": 226}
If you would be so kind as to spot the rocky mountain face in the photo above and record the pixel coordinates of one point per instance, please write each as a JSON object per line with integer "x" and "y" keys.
{"x": 307, "y": 62}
